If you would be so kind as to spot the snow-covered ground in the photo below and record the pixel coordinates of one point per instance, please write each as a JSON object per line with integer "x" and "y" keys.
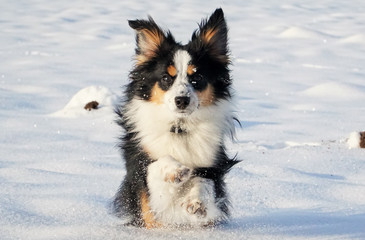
{"x": 299, "y": 72}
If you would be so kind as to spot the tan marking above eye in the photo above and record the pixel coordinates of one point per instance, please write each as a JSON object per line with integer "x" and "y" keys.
{"x": 191, "y": 69}
{"x": 171, "y": 70}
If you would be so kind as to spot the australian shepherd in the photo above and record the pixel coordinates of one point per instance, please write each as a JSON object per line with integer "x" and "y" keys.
{"x": 176, "y": 116}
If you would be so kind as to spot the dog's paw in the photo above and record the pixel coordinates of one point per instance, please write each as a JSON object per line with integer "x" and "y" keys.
{"x": 178, "y": 175}
{"x": 195, "y": 207}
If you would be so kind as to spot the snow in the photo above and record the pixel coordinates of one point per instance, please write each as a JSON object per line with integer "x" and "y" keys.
{"x": 354, "y": 140}
{"x": 299, "y": 79}
{"x": 297, "y": 32}
{"x": 105, "y": 98}
{"x": 334, "y": 91}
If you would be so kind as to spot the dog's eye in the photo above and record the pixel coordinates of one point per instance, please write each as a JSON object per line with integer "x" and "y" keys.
{"x": 198, "y": 82}
{"x": 166, "y": 79}
{"x": 196, "y": 79}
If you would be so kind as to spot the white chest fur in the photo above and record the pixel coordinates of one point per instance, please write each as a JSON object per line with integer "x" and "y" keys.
{"x": 204, "y": 131}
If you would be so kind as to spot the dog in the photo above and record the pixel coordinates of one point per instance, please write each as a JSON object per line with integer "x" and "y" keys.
{"x": 176, "y": 116}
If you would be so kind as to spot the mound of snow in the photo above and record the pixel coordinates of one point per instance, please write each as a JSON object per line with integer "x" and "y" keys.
{"x": 334, "y": 91}
{"x": 75, "y": 107}
{"x": 298, "y": 32}
{"x": 354, "y": 140}
{"x": 357, "y": 38}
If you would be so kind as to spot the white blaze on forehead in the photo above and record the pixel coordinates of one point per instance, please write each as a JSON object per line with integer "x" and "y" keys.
{"x": 181, "y": 86}
{"x": 181, "y": 60}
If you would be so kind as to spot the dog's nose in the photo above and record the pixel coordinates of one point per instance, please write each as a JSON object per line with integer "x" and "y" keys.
{"x": 182, "y": 102}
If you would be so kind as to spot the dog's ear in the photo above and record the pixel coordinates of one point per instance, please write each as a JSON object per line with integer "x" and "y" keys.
{"x": 212, "y": 36}
{"x": 149, "y": 38}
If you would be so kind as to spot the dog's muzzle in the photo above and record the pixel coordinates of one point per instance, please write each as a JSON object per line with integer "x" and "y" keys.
{"x": 182, "y": 102}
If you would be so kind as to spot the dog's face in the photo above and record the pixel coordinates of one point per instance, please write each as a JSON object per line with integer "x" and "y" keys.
{"x": 182, "y": 78}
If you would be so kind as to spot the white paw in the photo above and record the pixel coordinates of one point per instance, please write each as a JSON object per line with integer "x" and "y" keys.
{"x": 195, "y": 207}
{"x": 177, "y": 175}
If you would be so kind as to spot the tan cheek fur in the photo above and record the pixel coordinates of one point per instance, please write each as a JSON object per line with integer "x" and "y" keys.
{"x": 157, "y": 95}
{"x": 206, "y": 97}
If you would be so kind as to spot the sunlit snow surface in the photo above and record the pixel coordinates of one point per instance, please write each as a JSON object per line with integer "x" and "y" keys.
{"x": 299, "y": 79}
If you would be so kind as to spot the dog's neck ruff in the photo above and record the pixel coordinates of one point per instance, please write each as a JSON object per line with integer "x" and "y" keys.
{"x": 193, "y": 141}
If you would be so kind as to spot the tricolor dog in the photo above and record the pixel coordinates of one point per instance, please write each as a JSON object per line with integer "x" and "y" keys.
{"x": 176, "y": 116}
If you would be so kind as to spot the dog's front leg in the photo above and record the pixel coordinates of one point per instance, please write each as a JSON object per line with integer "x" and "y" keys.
{"x": 164, "y": 177}
{"x": 200, "y": 201}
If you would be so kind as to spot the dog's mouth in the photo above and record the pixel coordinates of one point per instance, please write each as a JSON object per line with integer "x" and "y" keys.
{"x": 187, "y": 112}
{"x": 183, "y": 113}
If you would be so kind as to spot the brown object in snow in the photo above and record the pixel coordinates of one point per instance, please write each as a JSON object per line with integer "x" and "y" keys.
{"x": 91, "y": 105}
{"x": 362, "y": 139}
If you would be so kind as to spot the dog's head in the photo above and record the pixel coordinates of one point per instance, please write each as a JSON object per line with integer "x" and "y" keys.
{"x": 183, "y": 78}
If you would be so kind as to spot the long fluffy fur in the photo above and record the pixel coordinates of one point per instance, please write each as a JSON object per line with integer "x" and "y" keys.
{"x": 174, "y": 150}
